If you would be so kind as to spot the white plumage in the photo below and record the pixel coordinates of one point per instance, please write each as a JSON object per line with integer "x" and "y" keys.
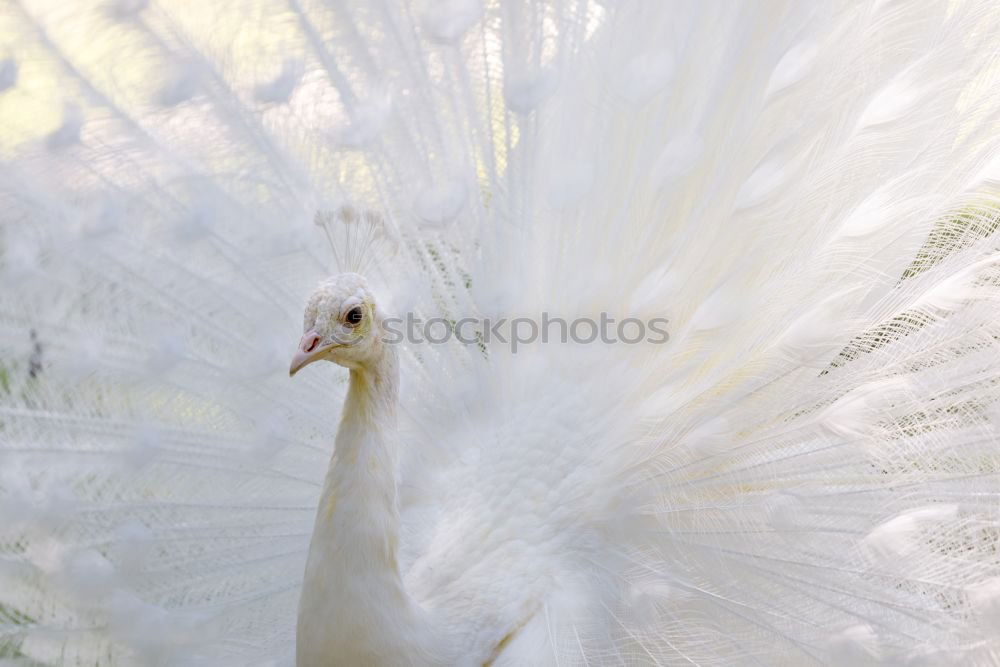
{"x": 806, "y": 472}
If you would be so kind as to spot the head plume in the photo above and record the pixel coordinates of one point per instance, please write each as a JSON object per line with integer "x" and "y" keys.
{"x": 355, "y": 236}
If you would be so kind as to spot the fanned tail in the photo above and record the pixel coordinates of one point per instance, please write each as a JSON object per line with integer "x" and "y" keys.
{"x": 805, "y": 472}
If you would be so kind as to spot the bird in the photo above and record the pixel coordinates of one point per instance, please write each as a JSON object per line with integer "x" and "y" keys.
{"x": 651, "y": 333}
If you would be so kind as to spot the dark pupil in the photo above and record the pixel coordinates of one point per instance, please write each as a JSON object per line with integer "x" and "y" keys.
{"x": 354, "y": 315}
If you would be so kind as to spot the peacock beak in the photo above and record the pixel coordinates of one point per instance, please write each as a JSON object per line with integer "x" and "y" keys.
{"x": 309, "y": 351}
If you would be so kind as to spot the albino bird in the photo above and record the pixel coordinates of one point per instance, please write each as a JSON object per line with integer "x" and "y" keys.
{"x": 671, "y": 333}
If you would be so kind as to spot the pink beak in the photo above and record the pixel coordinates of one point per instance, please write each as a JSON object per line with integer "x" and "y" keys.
{"x": 308, "y": 352}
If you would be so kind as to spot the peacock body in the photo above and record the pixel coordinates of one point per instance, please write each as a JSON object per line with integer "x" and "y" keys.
{"x": 803, "y": 471}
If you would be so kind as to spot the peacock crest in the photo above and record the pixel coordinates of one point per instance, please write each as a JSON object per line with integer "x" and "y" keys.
{"x": 356, "y": 237}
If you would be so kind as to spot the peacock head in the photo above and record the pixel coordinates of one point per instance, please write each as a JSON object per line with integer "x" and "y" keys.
{"x": 341, "y": 324}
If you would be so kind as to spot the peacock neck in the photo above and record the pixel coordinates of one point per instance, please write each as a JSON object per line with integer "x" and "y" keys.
{"x": 354, "y": 605}
{"x": 368, "y": 422}
{"x": 359, "y": 503}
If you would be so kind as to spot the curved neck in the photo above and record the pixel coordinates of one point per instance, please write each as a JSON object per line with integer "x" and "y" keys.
{"x": 354, "y": 604}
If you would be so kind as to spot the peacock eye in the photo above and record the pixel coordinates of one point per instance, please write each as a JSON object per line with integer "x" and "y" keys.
{"x": 354, "y": 315}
